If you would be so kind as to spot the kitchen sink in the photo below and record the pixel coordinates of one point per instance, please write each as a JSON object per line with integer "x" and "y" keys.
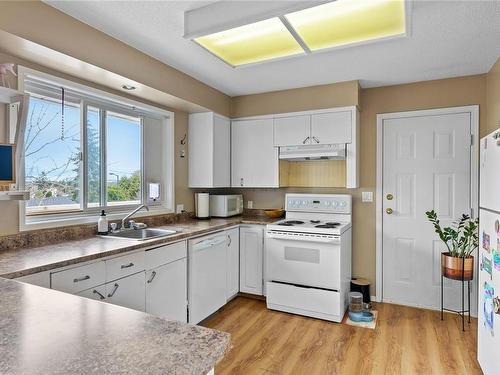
{"x": 143, "y": 234}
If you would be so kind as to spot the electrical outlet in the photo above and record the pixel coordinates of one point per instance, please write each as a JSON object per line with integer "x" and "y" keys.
{"x": 183, "y": 153}
{"x": 367, "y": 196}
{"x": 249, "y": 204}
{"x": 180, "y": 208}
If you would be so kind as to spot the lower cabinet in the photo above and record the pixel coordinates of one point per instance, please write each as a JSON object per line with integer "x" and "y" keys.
{"x": 251, "y": 259}
{"x": 166, "y": 291}
{"x": 232, "y": 263}
{"x": 127, "y": 292}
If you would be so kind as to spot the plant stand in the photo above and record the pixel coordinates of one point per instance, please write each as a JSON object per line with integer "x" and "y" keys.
{"x": 459, "y": 312}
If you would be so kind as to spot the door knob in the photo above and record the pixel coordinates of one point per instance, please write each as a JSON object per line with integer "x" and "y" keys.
{"x": 389, "y": 211}
{"x": 389, "y": 197}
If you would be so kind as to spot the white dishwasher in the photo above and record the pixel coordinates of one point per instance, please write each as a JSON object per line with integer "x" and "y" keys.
{"x": 206, "y": 275}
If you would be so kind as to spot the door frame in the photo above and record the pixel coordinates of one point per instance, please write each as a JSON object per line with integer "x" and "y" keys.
{"x": 473, "y": 110}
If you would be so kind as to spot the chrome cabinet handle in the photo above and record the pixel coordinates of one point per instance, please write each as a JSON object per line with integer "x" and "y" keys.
{"x": 153, "y": 274}
{"x": 127, "y": 265}
{"x": 115, "y": 287}
{"x": 77, "y": 280}
{"x": 230, "y": 240}
{"x": 101, "y": 297}
{"x": 241, "y": 181}
{"x": 305, "y": 140}
{"x": 316, "y": 139}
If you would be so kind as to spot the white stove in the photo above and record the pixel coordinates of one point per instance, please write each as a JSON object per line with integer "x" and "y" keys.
{"x": 308, "y": 256}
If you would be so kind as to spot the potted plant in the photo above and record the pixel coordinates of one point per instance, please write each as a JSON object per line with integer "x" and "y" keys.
{"x": 461, "y": 239}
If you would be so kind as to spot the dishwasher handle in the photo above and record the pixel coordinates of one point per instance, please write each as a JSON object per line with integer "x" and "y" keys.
{"x": 210, "y": 242}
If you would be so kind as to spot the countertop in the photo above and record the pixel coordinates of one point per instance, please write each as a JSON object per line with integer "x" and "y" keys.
{"x": 26, "y": 261}
{"x": 43, "y": 331}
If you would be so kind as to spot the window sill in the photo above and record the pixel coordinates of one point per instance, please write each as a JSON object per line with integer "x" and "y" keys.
{"x": 36, "y": 222}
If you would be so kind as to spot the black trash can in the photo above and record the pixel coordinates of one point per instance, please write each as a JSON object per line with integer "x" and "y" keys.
{"x": 362, "y": 286}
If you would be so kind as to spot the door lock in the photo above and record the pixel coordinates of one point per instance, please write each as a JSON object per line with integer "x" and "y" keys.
{"x": 390, "y": 197}
{"x": 389, "y": 211}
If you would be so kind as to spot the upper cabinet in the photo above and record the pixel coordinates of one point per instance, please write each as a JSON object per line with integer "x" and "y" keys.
{"x": 331, "y": 127}
{"x": 292, "y": 130}
{"x": 253, "y": 155}
{"x": 209, "y": 137}
{"x": 314, "y": 128}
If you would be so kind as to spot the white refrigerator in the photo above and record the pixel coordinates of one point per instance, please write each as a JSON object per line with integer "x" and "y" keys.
{"x": 488, "y": 352}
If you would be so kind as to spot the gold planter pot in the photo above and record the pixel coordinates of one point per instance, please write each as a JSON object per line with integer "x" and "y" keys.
{"x": 452, "y": 267}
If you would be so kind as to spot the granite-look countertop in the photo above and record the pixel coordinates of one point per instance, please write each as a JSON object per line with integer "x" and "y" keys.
{"x": 43, "y": 331}
{"x": 26, "y": 261}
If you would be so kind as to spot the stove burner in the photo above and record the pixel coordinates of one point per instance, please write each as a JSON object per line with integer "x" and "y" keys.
{"x": 292, "y": 222}
{"x": 328, "y": 225}
{"x": 315, "y": 221}
{"x": 286, "y": 224}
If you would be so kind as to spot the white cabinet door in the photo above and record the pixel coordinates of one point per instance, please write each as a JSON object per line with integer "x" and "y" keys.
{"x": 166, "y": 291}
{"x": 222, "y": 152}
{"x": 127, "y": 292}
{"x": 332, "y": 127}
{"x": 251, "y": 258}
{"x": 233, "y": 263}
{"x": 292, "y": 131}
{"x": 209, "y": 150}
{"x": 254, "y": 157}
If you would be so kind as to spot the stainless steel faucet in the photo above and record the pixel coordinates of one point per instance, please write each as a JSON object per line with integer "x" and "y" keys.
{"x": 133, "y": 212}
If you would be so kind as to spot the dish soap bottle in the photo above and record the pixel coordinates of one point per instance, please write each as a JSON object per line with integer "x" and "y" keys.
{"x": 102, "y": 224}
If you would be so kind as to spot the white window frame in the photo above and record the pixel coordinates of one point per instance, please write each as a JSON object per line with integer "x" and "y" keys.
{"x": 106, "y": 102}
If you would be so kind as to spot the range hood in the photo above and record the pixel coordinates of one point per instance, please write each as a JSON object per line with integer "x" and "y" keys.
{"x": 313, "y": 152}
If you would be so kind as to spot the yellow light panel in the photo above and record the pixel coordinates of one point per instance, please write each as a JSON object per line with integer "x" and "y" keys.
{"x": 344, "y": 22}
{"x": 252, "y": 43}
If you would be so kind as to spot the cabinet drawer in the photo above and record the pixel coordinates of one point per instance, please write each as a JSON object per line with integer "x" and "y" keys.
{"x": 124, "y": 265}
{"x": 165, "y": 254}
{"x": 80, "y": 278}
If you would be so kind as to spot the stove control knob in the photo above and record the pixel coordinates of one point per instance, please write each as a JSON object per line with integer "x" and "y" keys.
{"x": 304, "y": 203}
{"x": 342, "y": 204}
{"x": 327, "y": 203}
{"x": 335, "y": 204}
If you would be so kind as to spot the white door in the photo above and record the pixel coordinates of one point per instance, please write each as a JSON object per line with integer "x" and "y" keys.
{"x": 292, "y": 131}
{"x": 251, "y": 258}
{"x": 166, "y": 291}
{"x": 233, "y": 263}
{"x": 127, "y": 292}
{"x": 332, "y": 127}
{"x": 253, "y": 155}
{"x": 426, "y": 165}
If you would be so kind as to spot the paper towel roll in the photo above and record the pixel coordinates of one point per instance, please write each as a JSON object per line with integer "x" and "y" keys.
{"x": 202, "y": 205}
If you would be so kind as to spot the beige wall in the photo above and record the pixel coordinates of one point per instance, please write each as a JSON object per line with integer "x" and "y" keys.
{"x": 421, "y": 95}
{"x": 493, "y": 98}
{"x": 9, "y": 212}
{"x": 340, "y": 94}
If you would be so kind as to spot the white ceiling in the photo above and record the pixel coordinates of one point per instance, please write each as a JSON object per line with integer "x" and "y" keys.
{"x": 447, "y": 39}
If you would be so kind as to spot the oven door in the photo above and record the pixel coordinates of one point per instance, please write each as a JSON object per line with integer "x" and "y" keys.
{"x": 304, "y": 262}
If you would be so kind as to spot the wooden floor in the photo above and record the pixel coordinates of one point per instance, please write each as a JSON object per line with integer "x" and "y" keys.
{"x": 406, "y": 341}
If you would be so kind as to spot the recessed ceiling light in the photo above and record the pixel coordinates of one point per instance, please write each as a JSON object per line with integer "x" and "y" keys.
{"x": 128, "y": 87}
{"x": 345, "y": 22}
{"x": 259, "y": 41}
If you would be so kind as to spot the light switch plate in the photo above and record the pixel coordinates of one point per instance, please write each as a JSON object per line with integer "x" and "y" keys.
{"x": 180, "y": 208}
{"x": 249, "y": 204}
{"x": 367, "y": 196}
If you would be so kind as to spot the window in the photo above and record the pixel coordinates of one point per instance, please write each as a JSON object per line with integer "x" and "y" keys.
{"x": 74, "y": 168}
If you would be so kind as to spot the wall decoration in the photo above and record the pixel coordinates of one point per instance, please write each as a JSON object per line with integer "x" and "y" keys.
{"x": 496, "y": 305}
{"x": 497, "y": 227}
{"x": 488, "y": 293}
{"x": 496, "y": 259}
{"x": 486, "y": 265}
{"x": 486, "y": 241}
{"x": 5, "y": 70}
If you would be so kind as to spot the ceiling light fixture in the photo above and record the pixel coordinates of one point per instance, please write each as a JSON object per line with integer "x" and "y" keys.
{"x": 259, "y": 41}
{"x": 294, "y": 30}
{"x": 128, "y": 87}
{"x": 348, "y": 22}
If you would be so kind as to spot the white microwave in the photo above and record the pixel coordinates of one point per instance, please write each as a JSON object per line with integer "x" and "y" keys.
{"x": 226, "y": 205}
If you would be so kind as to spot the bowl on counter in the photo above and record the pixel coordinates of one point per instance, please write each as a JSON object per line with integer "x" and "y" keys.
{"x": 274, "y": 213}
